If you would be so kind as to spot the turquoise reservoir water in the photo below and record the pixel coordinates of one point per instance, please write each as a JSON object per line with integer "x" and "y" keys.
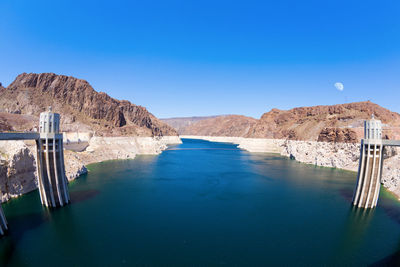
{"x": 203, "y": 203}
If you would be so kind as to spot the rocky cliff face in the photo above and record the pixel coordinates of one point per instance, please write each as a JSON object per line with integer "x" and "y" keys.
{"x": 338, "y": 135}
{"x": 80, "y": 105}
{"x": 17, "y": 169}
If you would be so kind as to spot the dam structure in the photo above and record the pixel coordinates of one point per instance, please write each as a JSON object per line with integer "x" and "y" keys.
{"x": 52, "y": 181}
{"x": 370, "y": 166}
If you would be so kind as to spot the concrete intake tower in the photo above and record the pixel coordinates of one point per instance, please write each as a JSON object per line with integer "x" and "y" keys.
{"x": 52, "y": 181}
{"x": 370, "y": 166}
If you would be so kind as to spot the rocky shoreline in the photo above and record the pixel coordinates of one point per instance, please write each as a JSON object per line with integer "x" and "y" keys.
{"x": 18, "y": 159}
{"x": 18, "y": 168}
{"x": 327, "y": 154}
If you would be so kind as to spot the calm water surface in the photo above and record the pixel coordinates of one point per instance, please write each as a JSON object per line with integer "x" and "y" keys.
{"x": 203, "y": 203}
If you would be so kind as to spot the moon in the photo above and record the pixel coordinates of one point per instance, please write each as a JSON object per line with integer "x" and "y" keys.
{"x": 339, "y": 86}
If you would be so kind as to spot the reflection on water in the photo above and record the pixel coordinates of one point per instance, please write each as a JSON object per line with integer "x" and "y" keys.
{"x": 352, "y": 236}
{"x": 78, "y": 196}
{"x": 204, "y": 203}
{"x": 347, "y": 193}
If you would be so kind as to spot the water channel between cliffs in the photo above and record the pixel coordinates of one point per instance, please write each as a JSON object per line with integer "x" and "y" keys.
{"x": 204, "y": 203}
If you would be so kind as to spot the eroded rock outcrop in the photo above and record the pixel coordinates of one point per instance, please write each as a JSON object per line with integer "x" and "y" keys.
{"x": 17, "y": 169}
{"x": 337, "y": 135}
{"x": 335, "y": 155}
{"x": 391, "y": 173}
{"x": 74, "y": 165}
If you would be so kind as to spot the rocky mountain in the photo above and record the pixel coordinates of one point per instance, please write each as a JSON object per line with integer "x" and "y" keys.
{"x": 342, "y": 123}
{"x": 181, "y": 123}
{"x": 335, "y": 123}
{"x": 82, "y": 108}
{"x": 228, "y": 125}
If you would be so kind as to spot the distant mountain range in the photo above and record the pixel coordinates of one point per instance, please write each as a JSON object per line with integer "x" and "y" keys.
{"x": 223, "y": 125}
{"x": 82, "y": 108}
{"x": 335, "y": 123}
{"x": 180, "y": 123}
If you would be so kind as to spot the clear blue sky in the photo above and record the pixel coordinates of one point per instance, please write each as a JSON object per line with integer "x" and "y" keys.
{"x": 186, "y": 58}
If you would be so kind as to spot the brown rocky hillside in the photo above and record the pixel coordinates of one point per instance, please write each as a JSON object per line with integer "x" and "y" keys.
{"x": 335, "y": 123}
{"x": 227, "y": 125}
{"x": 81, "y": 107}
{"x": 18, "y": 122}
{"x": 181, "y": 123}
{"x": 343, "y": 122}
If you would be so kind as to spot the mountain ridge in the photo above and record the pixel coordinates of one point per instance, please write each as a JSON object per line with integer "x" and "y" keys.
{"x": 82, "y": 107}
{"x": 330, "y": 123}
